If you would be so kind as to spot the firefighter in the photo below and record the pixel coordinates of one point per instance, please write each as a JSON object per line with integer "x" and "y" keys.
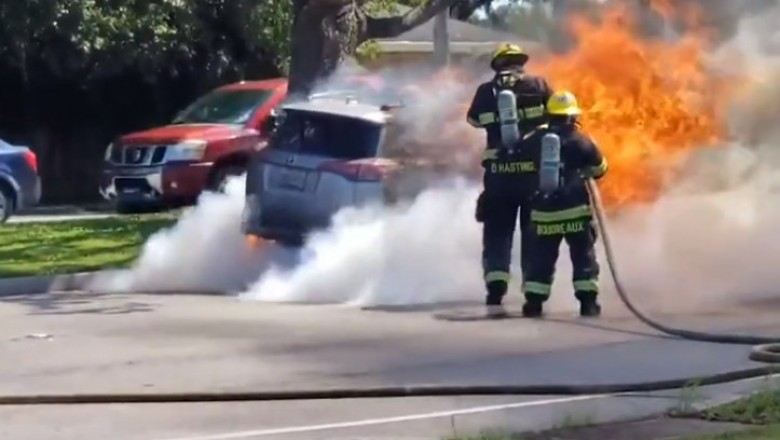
{"x": 531, "y": 94}
{"x": 507, "y": 106}
{"x": 560, "y": 208}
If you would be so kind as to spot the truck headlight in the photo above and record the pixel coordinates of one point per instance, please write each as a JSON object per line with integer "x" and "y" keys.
{"x": 189, "y": 150}
{"x": 109, "y": 150}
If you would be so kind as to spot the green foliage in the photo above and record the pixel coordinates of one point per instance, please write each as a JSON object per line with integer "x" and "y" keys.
{"x": 771, "y": 432}
{"x": 271, "y": 21}
{"x": 369, "y": 49}
{"x": 532, "y": 22}
{"x": 758, "y": 409}
{"x": 73, "y": 37}
{"x": 103, "y": 37}
{"x": 530, "y": 19}
{"x": 390, "y": 7}
{"x": 77, "y": 73}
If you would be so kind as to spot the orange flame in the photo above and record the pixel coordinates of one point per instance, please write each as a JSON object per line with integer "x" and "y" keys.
{"x": 646, "y": 102}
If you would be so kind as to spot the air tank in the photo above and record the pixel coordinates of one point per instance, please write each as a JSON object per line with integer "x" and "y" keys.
{"x": 508, "y": 119}
{"x": 550, "y": 163}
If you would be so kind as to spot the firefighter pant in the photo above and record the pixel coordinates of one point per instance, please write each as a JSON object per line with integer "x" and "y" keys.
{"x": 499, "y": 218}
{"x": 545, "y": 242}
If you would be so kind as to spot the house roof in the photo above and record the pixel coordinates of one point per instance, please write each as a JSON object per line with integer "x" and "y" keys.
{"x": 459, "y": 31}
{"x": 464, "y": 37}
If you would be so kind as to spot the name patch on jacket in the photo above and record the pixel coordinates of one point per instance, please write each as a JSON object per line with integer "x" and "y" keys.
{"x": 516, "y": 167}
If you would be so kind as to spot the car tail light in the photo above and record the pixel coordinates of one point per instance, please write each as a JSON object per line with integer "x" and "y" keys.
{"x": 31, "y": 159}
{"x": 355, "y": 171}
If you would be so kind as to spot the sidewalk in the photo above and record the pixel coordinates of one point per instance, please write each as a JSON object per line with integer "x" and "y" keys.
{"x": 657, "y": 428}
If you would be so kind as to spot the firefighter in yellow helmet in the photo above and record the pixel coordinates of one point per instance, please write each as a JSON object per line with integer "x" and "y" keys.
{"x": 507, "y": 106}
{"x": 560, "y": 209}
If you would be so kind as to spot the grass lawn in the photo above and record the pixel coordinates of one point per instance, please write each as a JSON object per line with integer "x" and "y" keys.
{"x": 759, "y": 412}
{"x": 761, "y": 409}
{"x": 770, "y": 432}
{"x": 75, "y": 245}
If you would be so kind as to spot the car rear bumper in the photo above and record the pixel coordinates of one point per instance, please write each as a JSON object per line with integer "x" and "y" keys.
{"x": 271, "y": 226}
{"x": 30, "y": 193}
{"x": 26, "y": 187}
{"x": 285, "y": 236}
{"x": 150, "y": 184}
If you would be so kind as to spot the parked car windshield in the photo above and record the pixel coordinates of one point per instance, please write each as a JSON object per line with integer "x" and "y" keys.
{"x": 328, "y": 135}
{"x": 224, "y": 107}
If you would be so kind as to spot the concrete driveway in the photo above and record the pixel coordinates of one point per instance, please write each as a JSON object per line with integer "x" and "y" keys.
{"x": 97, "y": 343}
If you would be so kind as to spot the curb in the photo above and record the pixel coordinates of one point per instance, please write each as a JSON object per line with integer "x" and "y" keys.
{"x": 90, "y": 208}
{"x": 87, "y": 282}
{"x": 49, "y": 283}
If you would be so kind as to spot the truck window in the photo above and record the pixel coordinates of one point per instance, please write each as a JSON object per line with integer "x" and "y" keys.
{"x": 224, "y": 107}
{"x": 327, "y": 135}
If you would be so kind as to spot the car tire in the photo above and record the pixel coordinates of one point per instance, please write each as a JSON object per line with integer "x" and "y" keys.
{"x": 6, "y": 204}
{"x": 124, "y": 207}
{"x": 223, "y": 174}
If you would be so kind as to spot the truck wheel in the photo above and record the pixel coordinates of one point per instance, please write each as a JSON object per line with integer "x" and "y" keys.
{"x": 223, "y": 174}
{"x": 6, "y": 203}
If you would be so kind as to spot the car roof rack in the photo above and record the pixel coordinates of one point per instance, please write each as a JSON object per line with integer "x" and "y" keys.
{"x": 348, "y": 95}
{"x": 391, "y": 106}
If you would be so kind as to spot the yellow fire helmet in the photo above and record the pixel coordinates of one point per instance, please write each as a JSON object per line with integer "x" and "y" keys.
{"x": 508, "y": 53}
{"x": 563, "y": 103}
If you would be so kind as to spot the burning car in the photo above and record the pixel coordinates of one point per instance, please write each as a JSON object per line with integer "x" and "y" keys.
{"x": 327, "y": 154}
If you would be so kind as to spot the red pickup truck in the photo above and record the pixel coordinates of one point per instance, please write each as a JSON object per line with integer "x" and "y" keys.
{"x": 207, "y": 142}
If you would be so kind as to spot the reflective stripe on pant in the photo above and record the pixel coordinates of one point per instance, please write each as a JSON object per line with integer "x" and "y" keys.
{"x": 499, "y": 220}
{"x": 545, "y": 247}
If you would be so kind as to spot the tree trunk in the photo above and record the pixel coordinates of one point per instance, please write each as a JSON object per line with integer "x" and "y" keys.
{"x": 321, "y": 35}
{"x": 441, "y": 40}
{"x": 325, "y": 32}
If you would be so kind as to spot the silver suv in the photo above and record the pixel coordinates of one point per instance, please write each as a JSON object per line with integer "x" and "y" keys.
{"x": 326, "y": 154}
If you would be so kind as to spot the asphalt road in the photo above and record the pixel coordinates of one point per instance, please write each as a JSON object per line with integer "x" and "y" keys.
{"x": 91, "y": 342}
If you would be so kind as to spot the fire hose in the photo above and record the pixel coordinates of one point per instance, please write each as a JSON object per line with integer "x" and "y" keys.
{"x": 765, "y": 350}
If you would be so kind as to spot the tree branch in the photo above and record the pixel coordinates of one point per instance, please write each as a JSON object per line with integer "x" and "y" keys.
{"x": 328, "y": 3}
{"x": 463, "y": 9}
{"x": 388, "y": 27}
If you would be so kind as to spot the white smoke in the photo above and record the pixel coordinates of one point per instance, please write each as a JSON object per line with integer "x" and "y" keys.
{"x": 204, "y": 251}
{"x": 422, "y": 253}
{"x": 711, "y": 240}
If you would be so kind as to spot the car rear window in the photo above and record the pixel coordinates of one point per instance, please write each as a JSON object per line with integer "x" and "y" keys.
{"x": 326, "y": 135}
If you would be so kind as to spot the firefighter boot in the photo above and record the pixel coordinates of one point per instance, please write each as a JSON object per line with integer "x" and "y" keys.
{"x": 533, "y": 307}
{"x": 495, "y": 296}
{"x": 589, "y": 306}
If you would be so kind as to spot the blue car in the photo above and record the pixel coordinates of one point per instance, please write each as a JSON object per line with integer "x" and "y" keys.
{"x": 20, "y": 185}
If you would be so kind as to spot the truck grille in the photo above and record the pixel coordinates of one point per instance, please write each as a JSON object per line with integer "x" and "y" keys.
{"x": 141, "y": 155}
